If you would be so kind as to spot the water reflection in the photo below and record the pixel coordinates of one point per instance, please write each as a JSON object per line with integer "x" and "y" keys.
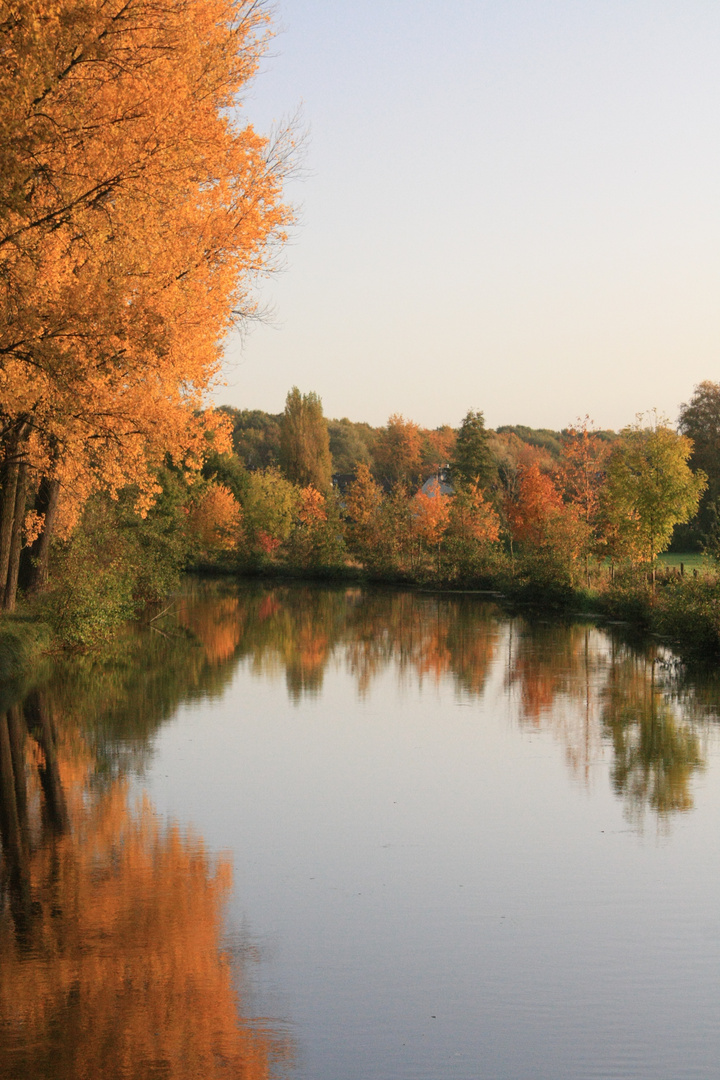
{"x": 111, "y": 959}
{"x": 592, "y": 692}
{"x": 656, "y": 751}
{"x": 111, "y": 921}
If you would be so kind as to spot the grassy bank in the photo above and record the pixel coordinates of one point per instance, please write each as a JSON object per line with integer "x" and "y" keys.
{"x": 24, "y": 643}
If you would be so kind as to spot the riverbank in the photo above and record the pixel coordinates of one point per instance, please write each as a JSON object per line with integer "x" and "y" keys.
{"x": 24, "y": 642}
{"x": 682, "y": 611}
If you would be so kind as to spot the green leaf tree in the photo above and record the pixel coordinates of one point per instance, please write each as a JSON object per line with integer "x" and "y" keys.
{"x": 472, "y": 461}
{"x": 270, "y": 506}
{"x": 699, "y": 419}
{"x": 650, "y": 488}
{"x": 304, "y": 441}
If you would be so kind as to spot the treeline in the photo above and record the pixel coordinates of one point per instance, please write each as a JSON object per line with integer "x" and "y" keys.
{"x": 541, "y": 514}
{"x": 575, "y": 472}
{"x": 555, "y": 509}
{"x": 256, "y": 438}
{"x": 402, "y": 451}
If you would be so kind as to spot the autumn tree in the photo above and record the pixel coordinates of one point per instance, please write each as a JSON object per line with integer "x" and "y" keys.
{"x": 430, "y": 517}
{"x": 438, "y": 447}
{"x": 133, "y": 213}
{"x": 363, "y": 504}
{"x": 398, "y": 451}
{"x": 380, "y": 527}
{"x": 583, "y": 462}
{"x": 538, "y": 501}
{"x": 650, "y": 487}
{"x": 304, "y": 441}
{"x": 551, "y": 534}
{"x": 215, "y": 520}
{"x": 472, "y": 533}
{"x": 317, "y": 539}
{"x": 270, "y": 507}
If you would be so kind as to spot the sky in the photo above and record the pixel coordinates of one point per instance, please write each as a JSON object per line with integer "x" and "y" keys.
{"x": 505, "y": 205}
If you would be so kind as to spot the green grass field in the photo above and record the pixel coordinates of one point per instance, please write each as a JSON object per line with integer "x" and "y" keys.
{"x": 692, "y": 560}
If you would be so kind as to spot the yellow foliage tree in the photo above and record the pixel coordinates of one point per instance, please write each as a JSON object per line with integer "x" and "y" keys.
{"x": 134, "y": 209}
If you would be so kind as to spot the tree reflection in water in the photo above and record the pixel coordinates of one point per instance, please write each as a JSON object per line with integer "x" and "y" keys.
{"x": 579, "y": 683}
{"x": 110, "y": 927}
{"x": 111, "y": 959}
{"x": 655, "y": 751}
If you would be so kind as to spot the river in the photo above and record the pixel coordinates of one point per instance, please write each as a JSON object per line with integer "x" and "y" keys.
{"x": 285, "y": 831}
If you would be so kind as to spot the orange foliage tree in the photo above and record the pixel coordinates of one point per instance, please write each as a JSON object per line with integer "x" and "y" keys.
{"x": 363, "y": 503}
{"x": 550, "y": 532}
{"x": 317, "y": 539}
{"x": 538, "y": 501}
{"x": 472, "y": 517}
{"x": 473, "y": 531}
{"x": 215, "y": 520}
{"x": 438, "y": 447}
{"x": 134, "y": 210}
{"x": 583, "y": 465}
{"x": 431, "y": 514}
{"x": 398, "y": 451}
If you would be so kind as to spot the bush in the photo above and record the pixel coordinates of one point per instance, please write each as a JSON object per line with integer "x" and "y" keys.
{"x": 93, "y": 591}
{"x": 115, "y": 563}
{"x": 629, "y": 595}
{"x": 688, "y": 611}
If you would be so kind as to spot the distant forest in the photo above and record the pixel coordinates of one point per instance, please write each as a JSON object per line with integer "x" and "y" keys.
{"x": 256, "y": 441}
{"x": 404, "y": 452}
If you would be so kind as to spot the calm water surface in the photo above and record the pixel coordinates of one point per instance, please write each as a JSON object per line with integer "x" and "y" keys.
{"x": 329, "y": 834}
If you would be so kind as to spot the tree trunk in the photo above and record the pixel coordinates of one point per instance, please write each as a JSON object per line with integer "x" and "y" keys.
{"x": 7, "y": 515}
{"x": 48, "y": 498}
{"x": 16, "y": 537}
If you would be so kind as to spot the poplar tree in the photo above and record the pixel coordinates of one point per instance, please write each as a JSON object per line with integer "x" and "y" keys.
{"x": 304, "y": 441}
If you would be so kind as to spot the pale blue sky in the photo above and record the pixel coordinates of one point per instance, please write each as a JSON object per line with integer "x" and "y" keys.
{"x": 510, "y": 205}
